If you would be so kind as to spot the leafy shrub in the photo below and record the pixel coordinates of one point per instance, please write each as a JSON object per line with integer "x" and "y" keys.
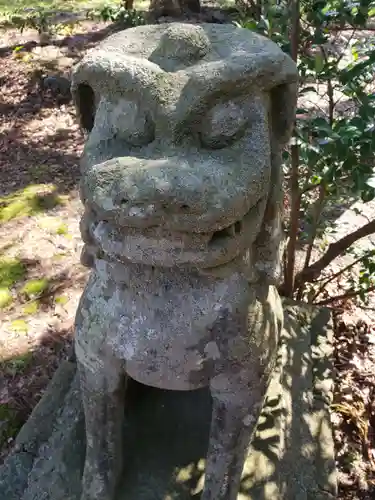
{"x": 118, "y": 13}
{"x": 332, "y": 151}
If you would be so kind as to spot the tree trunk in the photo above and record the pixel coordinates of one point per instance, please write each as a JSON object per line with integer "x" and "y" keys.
{"x": 173, "y": 8}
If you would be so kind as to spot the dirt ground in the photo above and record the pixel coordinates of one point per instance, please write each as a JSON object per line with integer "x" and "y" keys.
{"x": 41, "y": 278}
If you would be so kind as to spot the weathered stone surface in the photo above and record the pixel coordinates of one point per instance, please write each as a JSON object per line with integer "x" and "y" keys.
{"x": 181, "y": 181}
{"x": 166, "y": 433}
{"x": 43, "y": 425}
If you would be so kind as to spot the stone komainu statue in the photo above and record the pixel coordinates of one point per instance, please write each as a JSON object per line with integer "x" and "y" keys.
{"x": 181, "y": 182}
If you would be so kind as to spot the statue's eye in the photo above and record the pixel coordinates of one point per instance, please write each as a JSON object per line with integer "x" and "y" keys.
{"x": 131, "y": 123}
{"x": 224, "y": 124}
{"x": 124, "y": 119}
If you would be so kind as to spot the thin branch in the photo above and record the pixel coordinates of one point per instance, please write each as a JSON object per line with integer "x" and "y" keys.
{"x": 334, "y": 250}
{"x": 346, "y": 45}
{"x": 331, "y": 101}
{"x": 294, "y": 221}
{"x": 307, "y": 188}
{"x": 347, "y": 295}
{"x": 314, "y": 229}
{"x": 313, "y": 233}
{"x": 340, "y": 272}
{"x": 294, "y": 177}
{"x": 295, "y": 32}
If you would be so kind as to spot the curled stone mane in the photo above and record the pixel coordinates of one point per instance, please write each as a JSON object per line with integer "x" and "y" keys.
{"x": 180, "y": 48}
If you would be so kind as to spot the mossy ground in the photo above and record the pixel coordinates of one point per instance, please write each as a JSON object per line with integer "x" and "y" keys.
{"x": 30, "y": 201}
{"x": 10, "y": 423}
{"x": 11, "y": 271}
{"x": 40, "y": 283}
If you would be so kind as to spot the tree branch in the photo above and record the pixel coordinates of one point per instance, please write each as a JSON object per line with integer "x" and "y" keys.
{"x": 313, "y": 232}
{"x": 347, "y": 295}
{"x": 342, "y": 271}
{"x": 334, "y": 250}
{"x": 294, "y": 176}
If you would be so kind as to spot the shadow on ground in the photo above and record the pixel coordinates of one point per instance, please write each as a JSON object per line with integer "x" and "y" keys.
{"x": 25, "y": 163}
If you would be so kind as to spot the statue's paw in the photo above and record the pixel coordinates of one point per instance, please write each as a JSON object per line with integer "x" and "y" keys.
{"x": 97, "y": 487}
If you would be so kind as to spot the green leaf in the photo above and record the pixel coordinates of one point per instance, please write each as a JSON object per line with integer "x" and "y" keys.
{"x": 319, "y": 62}
{"x": 371, "y": 182}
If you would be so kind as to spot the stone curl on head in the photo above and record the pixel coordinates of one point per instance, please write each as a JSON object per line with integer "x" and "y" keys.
{"x": 185, "y": 46}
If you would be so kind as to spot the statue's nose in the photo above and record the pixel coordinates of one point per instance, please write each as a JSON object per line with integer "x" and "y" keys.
{"x": 157, "y": 203}
{"x": 196, "y": 193}
{"x": 126, "y": 183}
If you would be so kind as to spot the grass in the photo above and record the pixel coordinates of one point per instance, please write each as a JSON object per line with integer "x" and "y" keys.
{"x": 10, "y": 424}
{"x": 59, "y": 5}
{"x": 17, "y": 365}
{"x": 31, "y": 200}
{"x": 16, "y": 7}
{"x": 19, "y": 7}
{"x": 10, "y": 419}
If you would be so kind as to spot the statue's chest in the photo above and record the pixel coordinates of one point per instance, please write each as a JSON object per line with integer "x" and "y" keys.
{"x": 169, "y": 340}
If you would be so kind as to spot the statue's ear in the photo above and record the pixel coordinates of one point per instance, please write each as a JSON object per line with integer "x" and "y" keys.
{"x": 267, "y": 247}
{"x": 283, "y": 111}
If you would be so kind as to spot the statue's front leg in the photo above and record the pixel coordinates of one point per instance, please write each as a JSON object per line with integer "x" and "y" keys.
{"x": 247, "y": 342}
{"x": 234, "y": 415}
{"x": 103, "y": 393}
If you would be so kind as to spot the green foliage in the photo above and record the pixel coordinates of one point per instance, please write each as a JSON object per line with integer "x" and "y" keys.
{"x": 17, "y": 365}
{"x": 336, "y": 147}
{"x": 10, "y": 423}
{"x": 30, "y": 19}
{"x": 118, "y": 13}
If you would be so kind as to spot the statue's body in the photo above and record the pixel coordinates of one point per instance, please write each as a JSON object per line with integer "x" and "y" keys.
{"x": 181, "y": 181}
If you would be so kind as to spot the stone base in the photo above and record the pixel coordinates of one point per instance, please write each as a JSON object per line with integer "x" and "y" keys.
{"x": 290, "y": 458}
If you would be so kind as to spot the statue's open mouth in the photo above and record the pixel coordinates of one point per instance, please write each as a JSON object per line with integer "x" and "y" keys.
{"x": 162, "y": 247}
